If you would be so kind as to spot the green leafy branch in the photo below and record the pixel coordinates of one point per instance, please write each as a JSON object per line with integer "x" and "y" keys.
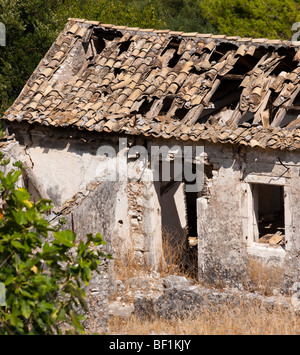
{"x": 44, "y": 279}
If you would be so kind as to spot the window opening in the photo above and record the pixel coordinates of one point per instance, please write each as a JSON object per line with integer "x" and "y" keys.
{"x": 268, "y": 214}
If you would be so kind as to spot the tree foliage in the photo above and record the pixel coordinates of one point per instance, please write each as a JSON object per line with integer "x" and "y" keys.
{"x": 44, "y": 280}
{"x": 33, "y": 25}
{"x": 259, "y": 19}
{"x": 121, "y": 12}
{"x": 181, "y": 15}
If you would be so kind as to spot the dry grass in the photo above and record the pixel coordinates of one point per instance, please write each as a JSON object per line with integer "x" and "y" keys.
{"x": 264, "y": 279}
{"x": 227, "y": 320}
{"x": 179, "y": 258}
{"x": 129, "y": 267}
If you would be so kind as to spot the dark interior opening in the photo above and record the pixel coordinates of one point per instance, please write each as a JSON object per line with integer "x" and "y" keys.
{"x": 124, "y": 46}
{"x": 292, "y": 113}
{"x": 173, "y": 44}
{"x": 191, "y": 204}
{"x": 191, "y": 207}
{"x": 180, "y": 113}
{"x": 269, "y": 213}
{"x": 226, "y": 96}
{"x": 117, "y": 71}
{"x": 220, "y": 50}
{"x": 174, "y": 60}
{"x": 287, "y": 64}
{"x": 100, "y": 35}
{"x": 244, "y": 64}
{"x": 167, "y": 103}
{"x": 99, "y": 44}
{"x": 296, "y": 104}
{"x": 145, "y": 106}
{"x": 272, "y": 109}
{"x": 179, "y": 223}
{"x": 107, "y": 34}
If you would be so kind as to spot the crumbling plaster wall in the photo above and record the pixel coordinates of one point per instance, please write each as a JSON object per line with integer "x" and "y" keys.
{"x": 225, "y": 244}
{"x": 82, "y": 182}
{"x": 220, "y": 244}
{"x": 68, "y": 166}
{"x": 88, "y": 214}
{"x": 134, "y": 207}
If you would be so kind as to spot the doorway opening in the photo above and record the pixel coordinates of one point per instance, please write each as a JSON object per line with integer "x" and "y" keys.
{"x": 179, "y": 225}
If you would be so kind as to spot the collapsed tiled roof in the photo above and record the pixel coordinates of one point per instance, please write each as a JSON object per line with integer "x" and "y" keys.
{"x": 167, "y": 84}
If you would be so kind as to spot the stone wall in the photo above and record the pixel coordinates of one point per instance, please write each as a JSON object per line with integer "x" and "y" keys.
{"x": 66, "y": 166}
{"x": 95, "y": 213}
{"x": 225, "y": 241}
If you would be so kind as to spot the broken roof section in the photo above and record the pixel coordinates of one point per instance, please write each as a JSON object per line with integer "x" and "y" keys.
{"x": 171, "y": 84}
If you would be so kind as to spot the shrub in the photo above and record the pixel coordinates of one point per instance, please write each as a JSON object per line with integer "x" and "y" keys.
{"x": 44, "y": 281}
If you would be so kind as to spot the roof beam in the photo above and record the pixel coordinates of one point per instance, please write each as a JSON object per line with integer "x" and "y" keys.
{"x": 283, "y": 110}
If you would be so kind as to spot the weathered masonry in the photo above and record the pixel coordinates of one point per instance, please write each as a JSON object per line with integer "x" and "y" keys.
{"x": 119, "y": 88}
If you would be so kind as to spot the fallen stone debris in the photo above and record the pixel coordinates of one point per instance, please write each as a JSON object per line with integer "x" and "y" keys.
{"x": 175, "y": 296}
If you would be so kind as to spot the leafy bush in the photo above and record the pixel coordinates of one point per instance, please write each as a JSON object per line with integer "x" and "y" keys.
{"x": 44, "y": 280}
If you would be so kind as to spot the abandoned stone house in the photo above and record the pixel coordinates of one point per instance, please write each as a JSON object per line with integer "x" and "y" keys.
{"x": 105, "y": 86}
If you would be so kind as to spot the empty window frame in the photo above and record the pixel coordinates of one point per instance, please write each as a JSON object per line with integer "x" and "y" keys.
{"x": 268, "y": 214}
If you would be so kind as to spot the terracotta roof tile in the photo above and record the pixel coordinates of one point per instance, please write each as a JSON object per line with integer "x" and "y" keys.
{"x": 166, "y": 84}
